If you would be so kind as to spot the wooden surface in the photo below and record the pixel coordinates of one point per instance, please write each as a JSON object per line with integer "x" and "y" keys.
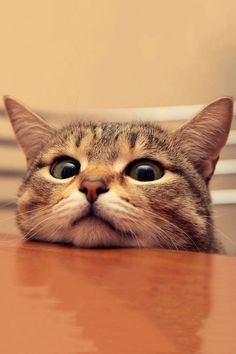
{"x": 56, "y": 299}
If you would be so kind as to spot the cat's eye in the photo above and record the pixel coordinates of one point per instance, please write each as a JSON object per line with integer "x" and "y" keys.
{"x": 144, "y": 171}
{"x": 65, "y": 167}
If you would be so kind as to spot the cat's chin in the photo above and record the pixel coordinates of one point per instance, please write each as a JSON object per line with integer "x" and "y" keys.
{"x": 92, "y": 231}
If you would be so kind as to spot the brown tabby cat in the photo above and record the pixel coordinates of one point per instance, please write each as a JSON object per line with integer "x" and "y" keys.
{"x": 129, "y": 184}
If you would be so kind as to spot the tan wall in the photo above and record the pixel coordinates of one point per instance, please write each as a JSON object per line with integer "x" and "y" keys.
{"x": 67, "y": 55}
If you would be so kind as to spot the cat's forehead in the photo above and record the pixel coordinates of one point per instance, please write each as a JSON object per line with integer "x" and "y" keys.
{"x": 109, "y": 141}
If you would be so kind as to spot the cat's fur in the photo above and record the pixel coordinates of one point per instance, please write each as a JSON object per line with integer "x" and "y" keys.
{"x": 173, "y": 212}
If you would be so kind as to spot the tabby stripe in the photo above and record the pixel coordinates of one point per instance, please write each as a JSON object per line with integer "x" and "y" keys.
{"x": 193, "y": 188}
{"x": 79, "y": 139}
{"x": 133, "y": 139}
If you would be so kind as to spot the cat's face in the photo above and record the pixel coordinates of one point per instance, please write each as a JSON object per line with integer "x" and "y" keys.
{"x": 106, "y": 201}
{"x": 119, "y": 184}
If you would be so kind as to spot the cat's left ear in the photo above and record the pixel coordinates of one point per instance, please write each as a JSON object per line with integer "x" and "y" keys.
{"x": 31, "y": 130}
{"x": 206, "y": 134}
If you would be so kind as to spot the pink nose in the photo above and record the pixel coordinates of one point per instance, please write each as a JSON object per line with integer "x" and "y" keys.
{"x": 92, "y": 187}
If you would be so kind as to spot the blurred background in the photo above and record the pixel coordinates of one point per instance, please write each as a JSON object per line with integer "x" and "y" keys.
{"x": 77, "y": 54}
{"x": 63, "y": 58}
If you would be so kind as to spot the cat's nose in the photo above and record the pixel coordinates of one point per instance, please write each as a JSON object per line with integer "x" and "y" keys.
{"x": 92, "y": 187}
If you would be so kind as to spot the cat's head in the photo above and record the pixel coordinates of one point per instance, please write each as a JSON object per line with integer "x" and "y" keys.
{"x": 126, "y": 184}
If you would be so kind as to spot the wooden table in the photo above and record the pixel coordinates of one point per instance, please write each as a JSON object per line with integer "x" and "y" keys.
{"x": 57, "y": 299}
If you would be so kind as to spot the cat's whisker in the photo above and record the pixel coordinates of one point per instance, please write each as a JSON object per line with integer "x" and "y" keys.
{"x": 36, "y": 226}
{"x": 206, "y": 217}
{"x": 224, "y": 235}
{"x": 70, "y": 206}
{"x": 132, "y": 233}
{"x": 125, "y": 220}
{"x": 33, "y": 211}
{"x": 43, "y": 229}
{"x": 125, "y": 205}
{"x": 154, "y": 231}
{"x": 161, "y": 235}
{"x": 176, "y": 227}
{"x": 52, "y": 232}
{"x": 124, "y": 212}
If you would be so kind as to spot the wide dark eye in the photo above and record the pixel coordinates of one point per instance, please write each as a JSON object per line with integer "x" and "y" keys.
{"x": 65, "y": 168}
{"x": 144, "y": 171}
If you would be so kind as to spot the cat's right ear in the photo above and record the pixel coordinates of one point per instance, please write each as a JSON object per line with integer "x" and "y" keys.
{"x": 31, "y": 130}
{"x": 205, "y": 135}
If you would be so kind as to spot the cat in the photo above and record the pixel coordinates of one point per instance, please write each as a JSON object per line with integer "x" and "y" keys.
{"x": 120, "y": 184}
